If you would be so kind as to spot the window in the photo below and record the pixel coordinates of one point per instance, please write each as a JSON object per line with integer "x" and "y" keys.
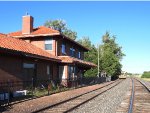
{"x": 27, "y": 65}
{"x": 71, "y": 71}
{"x": 63, "y": 49}
{"x": 28, "y": 71}
{"x": 48, "y": 70}
{"x": 48, "y": 44}
{"x": 79, "y": 54}
{"x": 72, "y": 52}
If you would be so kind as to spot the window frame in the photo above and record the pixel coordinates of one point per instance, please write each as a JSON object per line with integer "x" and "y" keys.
{"x": 48, "y": 70}
{"x": 48, "y": 42}
{"x": 79, "y": 54}
{"x": 72, "y": 52}
{"x": 70, "y": 71}
{"x": 63, "y": 48}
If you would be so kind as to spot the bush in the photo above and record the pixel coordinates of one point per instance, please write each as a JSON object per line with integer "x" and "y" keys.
{"x": 146, "y": 75}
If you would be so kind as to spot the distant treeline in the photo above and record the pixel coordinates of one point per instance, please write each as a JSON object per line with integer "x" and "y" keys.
{"x": 146, "y": 74}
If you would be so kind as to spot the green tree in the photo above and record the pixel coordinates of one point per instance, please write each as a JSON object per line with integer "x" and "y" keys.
{"x": 111, "y": 55}
{"x": 106, "y": 37}
{"x": 85, "y": 41}
{"x": 90, "y": 56}
{"x": 61, "y": 26}
{"x": 146, "y": 74}
{"x": 71, "y": 34}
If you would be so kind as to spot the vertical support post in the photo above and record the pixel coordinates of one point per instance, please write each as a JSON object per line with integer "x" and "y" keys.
{"x": 8, "y": 84}
{"x": 48, "y": 72}
{"x": 98, "y": 60}
{"x": 49, "y": 86}
{"x": 73, "y": 77}
{"x": 32, "y": 86}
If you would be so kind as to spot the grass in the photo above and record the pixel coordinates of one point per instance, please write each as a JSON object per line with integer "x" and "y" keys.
{"x": 38, "y": 93}
{"x": 42, "y": 92}
{"x": 146, "y": 79}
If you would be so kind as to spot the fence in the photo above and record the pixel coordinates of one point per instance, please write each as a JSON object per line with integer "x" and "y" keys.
{"x": 12, "y": 91}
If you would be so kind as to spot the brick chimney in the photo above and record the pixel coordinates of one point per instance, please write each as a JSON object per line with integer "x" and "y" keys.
{"x": 27, "y": 24}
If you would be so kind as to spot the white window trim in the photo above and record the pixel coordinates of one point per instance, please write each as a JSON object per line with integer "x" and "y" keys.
{"x": 49, "y": 41}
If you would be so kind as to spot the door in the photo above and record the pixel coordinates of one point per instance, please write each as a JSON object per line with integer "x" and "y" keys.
{"x": 29, "y": 72}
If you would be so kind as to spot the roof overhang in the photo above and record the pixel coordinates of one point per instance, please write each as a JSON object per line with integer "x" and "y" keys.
{"x": 52, "y": 34}
{"x": 24, "y": 54}
{"x": 37, "y": 35}
{"x": 71, "y": 60}
{"x": 86, "y": 49}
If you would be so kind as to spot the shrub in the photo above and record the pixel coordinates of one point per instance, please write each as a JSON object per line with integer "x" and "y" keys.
{"x": 146, "y": 74}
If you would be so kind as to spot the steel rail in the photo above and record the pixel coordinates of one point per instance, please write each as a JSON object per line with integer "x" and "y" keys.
{"x": 143, "y": 83}
{"x": 69, "y": 110}
{"x": 131, "y": 98}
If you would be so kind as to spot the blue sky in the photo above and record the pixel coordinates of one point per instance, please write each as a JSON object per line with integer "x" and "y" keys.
{"x": 129, "y": 21}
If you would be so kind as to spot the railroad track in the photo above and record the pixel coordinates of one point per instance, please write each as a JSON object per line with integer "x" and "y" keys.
{"x": 137, "y": 99}
{"x": 72, "y": 103}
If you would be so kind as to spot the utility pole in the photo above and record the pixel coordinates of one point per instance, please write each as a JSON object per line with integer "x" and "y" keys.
{"x": 98, "y": 60}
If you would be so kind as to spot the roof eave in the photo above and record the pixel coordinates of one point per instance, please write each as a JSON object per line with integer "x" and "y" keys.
{"x": 41, "y": 57}
{"x": 91, "y": 65}
{"x": 32, "y": 35}
{"x": 28, "y": 54}
{"x": 87, "y": 49}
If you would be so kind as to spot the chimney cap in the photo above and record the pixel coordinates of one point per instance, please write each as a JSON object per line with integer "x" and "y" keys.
{"x": 27, "y": 15}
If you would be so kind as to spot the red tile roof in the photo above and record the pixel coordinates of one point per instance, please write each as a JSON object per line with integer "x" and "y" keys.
{"x": 40, "y": 31}
{"x": 7, "y": 42}
{"x": 43, "y": 31}
{"x": 68, "y": 59}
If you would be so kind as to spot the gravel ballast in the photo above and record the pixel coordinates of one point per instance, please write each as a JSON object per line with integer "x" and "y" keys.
{"x": 106, "y": 102}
